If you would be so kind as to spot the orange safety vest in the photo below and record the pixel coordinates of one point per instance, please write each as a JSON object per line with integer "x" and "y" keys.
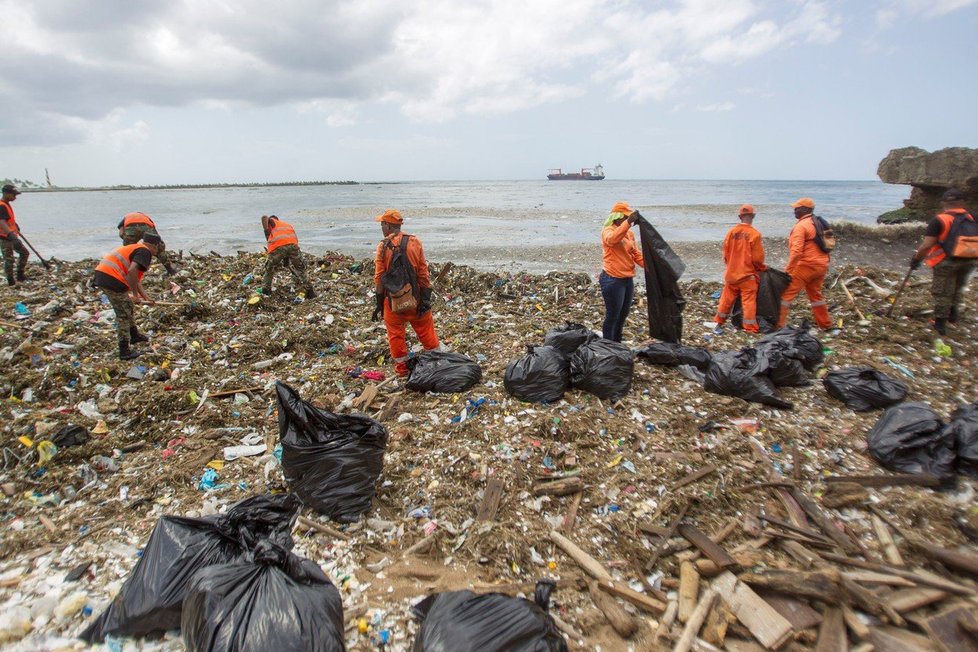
{"x": 137, "y": 218}
{"x": 12, "y": 222}
{"x": 281, "y": 234}
{"x": 118, "y": 262}
{"x": 937, "y": 253}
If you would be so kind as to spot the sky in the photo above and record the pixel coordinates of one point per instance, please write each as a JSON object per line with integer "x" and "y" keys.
{"x": 147, "y": 92}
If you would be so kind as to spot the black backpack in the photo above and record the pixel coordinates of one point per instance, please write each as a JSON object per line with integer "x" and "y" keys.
{"x": 962, "y": 238}
{"x": 824, "y": 235}
{"x": 400, "y": 281}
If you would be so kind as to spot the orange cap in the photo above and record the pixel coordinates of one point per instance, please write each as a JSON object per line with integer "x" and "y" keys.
{"x": 746, "y": 209}
{"x": 804, "y": 202}
{"x": 390, "y": 216}
{"x": 622, "y": 207}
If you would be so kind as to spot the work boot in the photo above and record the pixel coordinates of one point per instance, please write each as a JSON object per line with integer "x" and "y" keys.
{"x": 125, "y": 353}
{"x": 10, "y": 281}
{"x": 953, "y": 317}
{"x": 940, "y": 325}
{"x": 21, "y": 277}
{"x": 310, "y": 293}
{"x": 135, "y": 337}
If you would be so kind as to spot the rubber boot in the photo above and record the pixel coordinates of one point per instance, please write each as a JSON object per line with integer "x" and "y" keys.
{"x": 10, "y": 280}
{"x": 310, "y": 293}
{"x": 953, "y": 317}
{"x": 125, "y": 353}
{"x": 940, "y": 325}
{"x": 135, "y": 337}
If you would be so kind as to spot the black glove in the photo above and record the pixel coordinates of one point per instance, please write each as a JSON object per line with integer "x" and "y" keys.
{"x": 379, "y": 310}
{"x": 634, "y": 217}
{"x": 425, "y": 304}
{"x": 916, "y": 262}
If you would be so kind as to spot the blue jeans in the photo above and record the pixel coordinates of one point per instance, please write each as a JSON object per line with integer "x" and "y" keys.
{"x": 617, "y": 294}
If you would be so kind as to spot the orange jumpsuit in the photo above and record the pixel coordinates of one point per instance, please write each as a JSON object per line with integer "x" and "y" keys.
{"x": 743, "y": 253}
{"x": 807, "y": 266}
{"x": 396, "y": 323}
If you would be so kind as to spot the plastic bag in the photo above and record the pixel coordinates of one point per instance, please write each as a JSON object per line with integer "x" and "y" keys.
{"x": 440, "y": 371}
{"x": 662, "y": 271}
{"x": 603, "y": 368}
{"x": 332, "y": 461}
{"x": 542, "y": 375}
{"x": 275, "y": 602}
{"x": 743, "y": 374}
{"x": 864, "y": 388}
{"x": 674, "y": 355}
{"x": 569, "y": 337}
{"x": 152, "y": 596}
{"x": 783, "y": 368}
{"x": 910, "y": 438}
{"x": 796, "y": 343}
{"x": 70, "y": 435}
{"x": 964, "y": 429}
{"x": 770, "y": 287}
{"x": 463, "y": 621}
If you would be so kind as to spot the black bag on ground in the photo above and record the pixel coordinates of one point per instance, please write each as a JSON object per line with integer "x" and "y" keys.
{"x": 910, "y": 438}
{"x": 568, "y": 337}
{"x": 662, "y": 271}
{"x": 332, "y": 461}
{"x": 463, "y": 621}
{"x": 673, "y": 355}
{"x": 743, "y": 374}
{"x": 783, "y": 369}
{"x": 864, "y": 388}
{"x": 797, "y": 343}
{"x": 772, "y": 284}
{"x": 441, "y": 371}
{"x": 964, "y": 429}
{"x": 152, "y": 597}
{"x": 276, "y": 601}
{"x": 603, "y": 368}
{"x": 70, "y": 435}
{"x": 540, "y": 376}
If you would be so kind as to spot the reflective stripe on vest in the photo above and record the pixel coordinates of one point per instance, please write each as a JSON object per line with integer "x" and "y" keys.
{"x": 12, "y": 222}
{"x": 137, "y": 218}
{"x": 117, "y": 263}
{"x": 281, "y": 234}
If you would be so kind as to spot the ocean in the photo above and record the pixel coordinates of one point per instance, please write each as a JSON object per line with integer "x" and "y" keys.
{"x": 452, "y": 218}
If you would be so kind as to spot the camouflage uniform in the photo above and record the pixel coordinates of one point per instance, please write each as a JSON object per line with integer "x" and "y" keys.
{"x": 289, "y": 256}
{"x": 9, "y": 247}
{"x": 125, "y": 322}
{"x": 950, "y": 277}
{"x": 135, "y": 232}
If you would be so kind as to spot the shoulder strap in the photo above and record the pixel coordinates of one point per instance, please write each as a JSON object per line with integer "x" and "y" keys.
{"x": 404, "y": 243}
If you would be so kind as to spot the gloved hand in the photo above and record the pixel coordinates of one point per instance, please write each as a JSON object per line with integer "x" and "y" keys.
{"x": 915, "y": 262}
{"x": 634, "y": 217}
{"x": 379, "y": 310}
{"x": 425, "y": 304}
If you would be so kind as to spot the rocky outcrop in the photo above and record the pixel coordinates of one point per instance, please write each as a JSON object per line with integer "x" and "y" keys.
{"x": 929, "y": 174}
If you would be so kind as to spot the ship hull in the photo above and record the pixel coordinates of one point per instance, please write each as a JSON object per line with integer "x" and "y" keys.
{"x": 575, "y": 177}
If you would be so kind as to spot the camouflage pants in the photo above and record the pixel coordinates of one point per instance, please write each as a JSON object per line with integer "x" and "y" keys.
{"x": 950, "y": 277}
{"x": 290, "y": 257}
{"x": 133, "y": 234}
{"x": 125, "y": 322}
{"x": 9, "y": 248}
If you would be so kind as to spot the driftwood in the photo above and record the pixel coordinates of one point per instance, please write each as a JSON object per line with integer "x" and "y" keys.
{"x": 715, "y": 553}
{"x": 925, "y": 580}
{"x": 490, "y": 500}
{"x": 584, "y": 560}
{"x": 907, "y": 600}
{"x": 890, "y": 550}
{"x": 832, "y": 633}
{"x": 694, "y": 476}
{"x": 918, "y": 480}
{"x": 310, "y": 524}
{"x": 563, "y": 487}
{"x": 951, "y": 629}
{"x": 567, "y": 525}
{"x": 640, "y": 600}
{"x": 824, "y": 521}
{"x": 623, "y": 623}
{"x": 858, "y": 628}
{"x": 695, "y": 621}
{"x": 689, "y": 590}
{"x": 870, "y": 602}
{"x": 800, "y": 553}
{"x": 823, "y": 585}
{"x": 764, "y": 623}
{"x": 671, "y": 530}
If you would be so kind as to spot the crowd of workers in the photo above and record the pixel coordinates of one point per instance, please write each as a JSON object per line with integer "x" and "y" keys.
{"x": 402, "y": 285}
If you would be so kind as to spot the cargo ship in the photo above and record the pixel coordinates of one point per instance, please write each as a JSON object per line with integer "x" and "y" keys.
{"x": 586, "y": 174}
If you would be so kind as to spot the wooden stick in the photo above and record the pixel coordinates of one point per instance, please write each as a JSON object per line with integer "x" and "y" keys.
{"x": 935, "y": 582}
{"x": 832, "y": 633}
{"x": 13, "y": 325}
{"x": 852, "y": 300}
{"x": 419, "y": 546}
{"x": 620, "y": 620}
{"x": 559, "y": 487}
{"x": 765, "y": 624}
{"x": 694, "y": 476}
{"x": 714, "y": 552}
{"x": 695, "y": 621}
{"x": 795, "y": 512}
{"x": 886, "y": 541}
{"x": 232, "y": 392}
{"x": 869, "y": 602}
{"x": 567, "y": 525}
{"x": 668, "y": 618}
{"x": 668, "y": 535}
{"x": 921, "y": 480}
{"x": 310, "y": 524}
{"x": 858, "y": 628}
{"x": 640, "y": 600}
{"x": 825, "y": 523}
{"x": 566, "y": 627}
{"x": 689, "y": 589}
{"x": 584, "y": 560}
{"x": 952, "y": 558}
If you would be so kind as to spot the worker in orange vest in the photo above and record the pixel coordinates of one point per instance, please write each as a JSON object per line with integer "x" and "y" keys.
{"x": 402, "y": 290}
{"x": 132, "y": 228}
{"x": 807, "y": 265}
{"x": 10, "y": 238}
{"x": 119, "y": 275}
{"x": 743, "y": 253}
{"x": 619, "y": 256}
{"x": 283, "y": 250}
{"x": 951, "y": 256}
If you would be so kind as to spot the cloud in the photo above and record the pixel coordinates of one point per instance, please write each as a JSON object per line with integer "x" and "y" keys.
{"x": 69, "y": 67}
{"x": 892, "y": 10}
{"x": 716, "y": 108}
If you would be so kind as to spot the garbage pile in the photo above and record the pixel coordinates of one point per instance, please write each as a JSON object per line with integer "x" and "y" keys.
{"x": 664, "y": 514}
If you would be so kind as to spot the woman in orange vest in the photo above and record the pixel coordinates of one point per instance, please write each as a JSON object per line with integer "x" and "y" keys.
{"x": 283, "y": 250}
{"x": 119, "y": 275}
{"x": 743, "y": 253}
{"x": 10, "y": 238}
{"x": 620, "y": 255}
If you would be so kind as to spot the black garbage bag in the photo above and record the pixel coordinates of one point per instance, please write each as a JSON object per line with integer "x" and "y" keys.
{"x": 542, "y": 375}
{"x": 662, "y": 271}
{"x": 770, "y": 287}
{"x": 568, "y": 337}
{"x": 70, "y": 435}
{"x": 783, "y": 368}
{"x": 864, "y": 388}
{"x": 910, "y": 438}
{"x": 796, "y": 343}
{"x": 603, "y": 368}
{"x": 674, "y": 355}
{"x": 964, "y": 429}
{"x": 152, "y": 596}
{"x": 332, "y": 461}
{"x": 463, "y": 621}
{"x": 444, "y": 372}
{"x": 276, "y": 601}
{"x": 743, "y": 374}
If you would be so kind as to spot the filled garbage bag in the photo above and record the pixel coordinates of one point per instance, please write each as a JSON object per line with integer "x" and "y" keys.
{"x": 275, "y": 601}
{"x": 662, "y": 271}
{"x": 783, "y": 368}
{"x": 603, "y": 368}
{"x": 673, "y": 355}
{"x": 70, "y": 435}
{"x": 864, "y": 388}
{"x": 332, "y": 461}
{"x": 542, "y": 375}
{"x": 910, "y": 438}
{"x": 568, "y": 337}
{"x": 964, "y": 429}
{"x": 444, "y": 372}
{"x": 152, "y": 597}
{"x": 743, "y": 374}
{"x": 797, "y": 343}
{"x": 463, "y": 621}
{"x": 770, "y": 287}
